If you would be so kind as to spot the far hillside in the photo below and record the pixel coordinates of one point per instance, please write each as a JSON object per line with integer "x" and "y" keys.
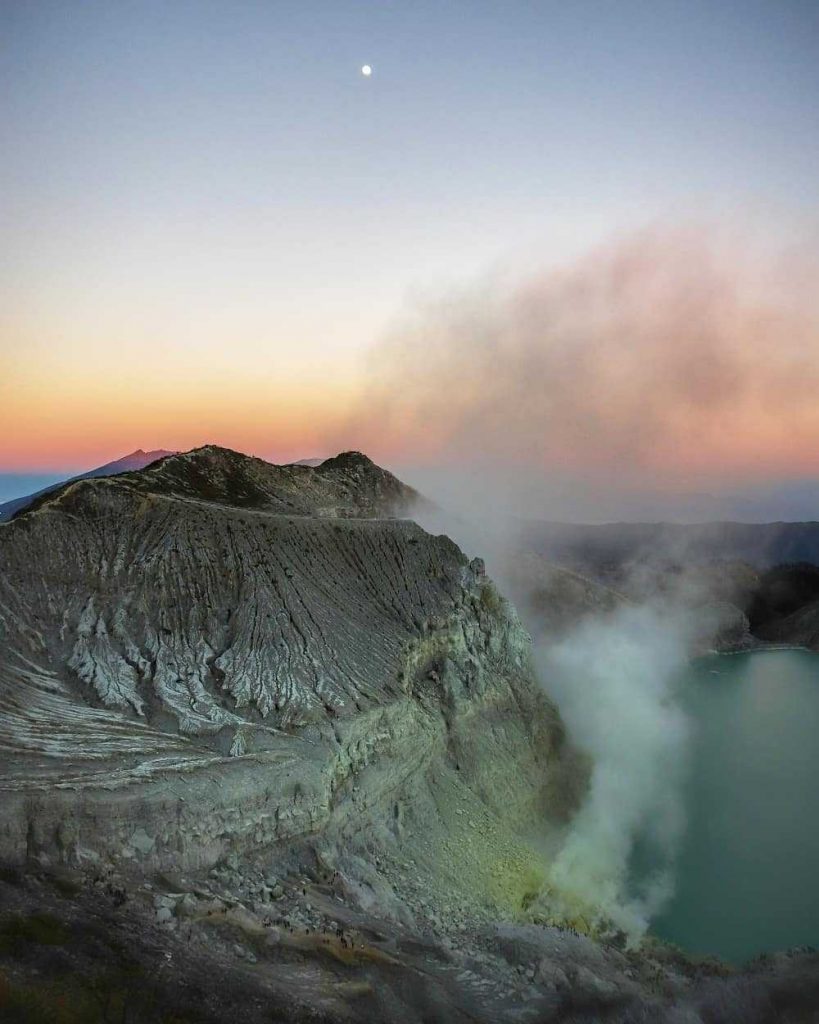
{"x": 603, "y": 550}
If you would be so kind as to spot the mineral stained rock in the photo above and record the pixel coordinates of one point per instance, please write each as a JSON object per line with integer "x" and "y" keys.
{"x": 210, "y": 652}
{"x": 270, "y": 751}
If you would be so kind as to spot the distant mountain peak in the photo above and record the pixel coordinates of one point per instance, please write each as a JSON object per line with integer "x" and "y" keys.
{"x": 349, "y": 460}
{"x": 138, "y": 459}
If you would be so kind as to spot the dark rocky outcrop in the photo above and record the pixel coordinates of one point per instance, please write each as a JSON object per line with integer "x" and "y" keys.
{"x": 784, "y": 607}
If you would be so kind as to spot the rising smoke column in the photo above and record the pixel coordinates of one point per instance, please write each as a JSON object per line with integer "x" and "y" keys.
{"x": 672, "y": 355}
{"x": 614, "y": 680}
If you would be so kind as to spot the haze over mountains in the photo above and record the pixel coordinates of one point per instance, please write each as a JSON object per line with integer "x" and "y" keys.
{"x": 526, "y": 493}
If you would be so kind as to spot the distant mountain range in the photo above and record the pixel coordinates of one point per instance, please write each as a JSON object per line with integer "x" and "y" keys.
{"x": 136, "y": 460}
{"x": 607, "y": 551}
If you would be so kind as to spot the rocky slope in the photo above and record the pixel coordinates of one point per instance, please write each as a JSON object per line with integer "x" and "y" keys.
{"x": 136, "y": 460}
{"x": 250, "y": 722}
{"x": 347, "y": 486}
{"x": 213, "y": 605}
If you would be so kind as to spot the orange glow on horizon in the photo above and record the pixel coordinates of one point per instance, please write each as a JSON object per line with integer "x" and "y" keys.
{"x": 659, "y": 358}
{"x": 76, "y": 429}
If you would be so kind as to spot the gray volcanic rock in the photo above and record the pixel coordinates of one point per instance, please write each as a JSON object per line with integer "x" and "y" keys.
{"x": 235, "y": 627}
{"x": 347, "y": 486}
{"x": 136, "y": 460}
{"x": 266, "y": 752}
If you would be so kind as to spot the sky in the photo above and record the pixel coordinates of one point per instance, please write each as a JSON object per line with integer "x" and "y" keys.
{"x": 216, "y": 229}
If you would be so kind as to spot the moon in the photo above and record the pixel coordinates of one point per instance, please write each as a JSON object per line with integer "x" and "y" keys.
{"x": 366, "y": 70}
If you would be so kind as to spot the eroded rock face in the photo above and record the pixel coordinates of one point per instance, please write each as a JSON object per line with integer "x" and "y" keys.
{"x": 212, "y": 651}
{"x": 254, "y": 730}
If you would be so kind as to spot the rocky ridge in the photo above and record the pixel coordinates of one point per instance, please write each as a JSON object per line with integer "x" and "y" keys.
{"x": 138, "y": 459}
{"x": 254, "y": 727}
{"x": 216, "y": 654}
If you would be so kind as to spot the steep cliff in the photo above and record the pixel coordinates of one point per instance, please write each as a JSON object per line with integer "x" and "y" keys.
{"x": 210, "y": 652}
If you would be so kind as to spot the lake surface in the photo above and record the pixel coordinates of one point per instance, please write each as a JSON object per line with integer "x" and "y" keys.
{"x": 748, "y": 871}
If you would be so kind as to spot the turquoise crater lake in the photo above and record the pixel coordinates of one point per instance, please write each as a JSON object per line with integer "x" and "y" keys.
{"x": 747, "y": 878}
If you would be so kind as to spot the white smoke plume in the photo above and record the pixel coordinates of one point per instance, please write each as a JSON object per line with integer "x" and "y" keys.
{"x": 662, "y": 358}
{"x": 614, "y": 676}
{"x": 614, "y": 680}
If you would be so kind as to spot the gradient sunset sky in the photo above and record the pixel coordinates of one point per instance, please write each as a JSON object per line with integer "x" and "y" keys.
{"x": 215, "y": 229}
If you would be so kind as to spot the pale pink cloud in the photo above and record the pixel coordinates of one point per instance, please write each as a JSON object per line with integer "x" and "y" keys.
{"x": 670, "y": 352}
